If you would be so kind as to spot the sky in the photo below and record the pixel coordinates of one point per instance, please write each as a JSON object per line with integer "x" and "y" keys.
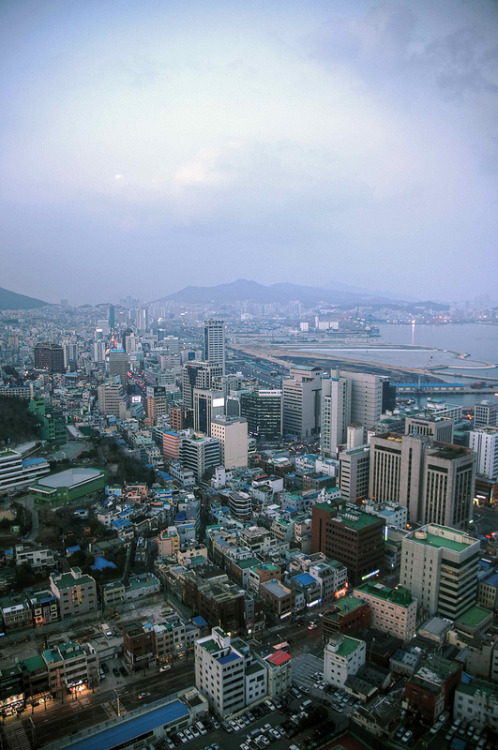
{"x": 151, "y": 144}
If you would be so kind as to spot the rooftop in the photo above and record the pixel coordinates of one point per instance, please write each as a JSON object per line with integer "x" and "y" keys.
{"x": 70, "y": 477}
{"x": 398, "y": 595}
{"x": 278, "y": 658}
{"x": 442, "y": 536}
{"x": 473, "y": 617}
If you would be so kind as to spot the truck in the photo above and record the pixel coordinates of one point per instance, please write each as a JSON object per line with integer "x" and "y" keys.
{"x": 106, "y": 630}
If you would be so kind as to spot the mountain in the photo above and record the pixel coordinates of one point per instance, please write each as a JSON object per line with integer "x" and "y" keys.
{"x": 13, "y": 301}
{"x": 283, "y": 292}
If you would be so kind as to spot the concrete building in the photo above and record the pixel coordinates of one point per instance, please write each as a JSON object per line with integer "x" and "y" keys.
{"x": 111, "y": 397}
{"x": 440, "y": 429}
{"x": 336, "y": 414}
{"x": 366, "y": 397}
{"x": 200, "y": 454}
{"x": 354, "y": 468}
{"x": 343, "y": 657}
{"x": 214, "y": 343}
{"x": 77, "y": 593}
{"x": 196, "y": 374}
{"x": 38, "y": 559}
{"x": 486, "y": 414}
{"x": 484, "y": 442}
{"x": 393, "y": 610}
{"x": 171, "y": 445}
{"x": 439, "y": 567}
{"x": 301, "y": 401}
{"x": 118, "y": 365}
{"x": 435, "y": 481}
{"x": 349, "y": 535}
{"x": 16, "y": 472}
{"x": 156, "y": 403}
{"x": 168, "y": 542}
{"x": 49, "y": 357}
{"x": 279, "y": 666}
{"x": 226, "y": 673}
{"x": 263, "y": 410}
{"x": 429, "y": 691}
{"x": 207, "y": 405}
{"x": 233, "y": 436}
{"x": 476, "y": 702}
{"x": 71, "y": 666}
{"x": 67, "y": 486}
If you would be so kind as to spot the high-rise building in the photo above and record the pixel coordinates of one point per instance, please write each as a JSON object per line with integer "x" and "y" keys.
{"x": 111, "y": 399}
{"x": 437, "y": 428}
{"x": 197, "y": 374}
{"x": 156, "y": 403}
{"x": 336, "y": 413}
{"x": 208, "y": 404}
{"x": 142, "y": 318}
{"x": 118, "y": 365}
{"x": 366, "y": 396}
{"x": 200, "y": 454}
{"x": 263, "y": 410}
{"x": 112, "y": 317}
{"x": 435, "y": 481}
{"x": 354, "y": 467}
{"x": 301, "y": 401}
{"x": 349, "y": 535}
{"x": 232, "y": 434}
{"x": 484, "y": 442}
{"x": 130, "y": 342}
{"x": 49, "y": 357}
{"x": 439, "y": 566}
{"x": 214, "y": 343}
{"x": 486, "y": 414}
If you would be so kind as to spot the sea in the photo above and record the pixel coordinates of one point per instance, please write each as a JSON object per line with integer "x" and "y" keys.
{"x": 440, "y": 346}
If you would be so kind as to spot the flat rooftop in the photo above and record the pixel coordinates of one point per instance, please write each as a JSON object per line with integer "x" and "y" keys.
{"x": 70, "y": 478}
{"x": 434, "y": 539}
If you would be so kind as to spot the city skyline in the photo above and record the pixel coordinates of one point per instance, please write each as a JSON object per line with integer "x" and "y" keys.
{"x": 349, "y": 142}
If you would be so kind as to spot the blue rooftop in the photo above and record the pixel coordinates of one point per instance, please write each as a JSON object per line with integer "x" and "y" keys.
{"x": 100, "y": 563}
{"x": 305, "y": 579}
{"x": 199, "y": 621}
{"x": 125, "y": 732}
{"x": 33, "y": 461}
{"x": 227, "y": 659}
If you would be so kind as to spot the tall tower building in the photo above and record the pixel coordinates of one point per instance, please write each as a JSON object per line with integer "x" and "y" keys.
{"x": 336, "y": 414}
{"x": 142, "y": 318}
{"x": 207, "y": 405}
{"x": 196, "y": 374}
{"x": 354, "y": 467}
{"x": 439, "y": 566}
{"x": 484, "y": 442}
{"x": 301, "y": 401}
{"x": 118, "y": 365}
{"x": 263, "y": 410}
{"x": 232, "y": 434}
{"x": 435, "y": 481}
{"x": 366, "y": 397}
{"x": 214, "y": 342}
{"x": 49, "y": 357}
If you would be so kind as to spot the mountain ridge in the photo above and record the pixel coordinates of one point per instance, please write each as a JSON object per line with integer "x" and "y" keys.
{"x": 13, "y": 301}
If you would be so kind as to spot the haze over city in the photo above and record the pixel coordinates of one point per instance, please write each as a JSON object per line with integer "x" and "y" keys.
{"x": 150, "y": 145}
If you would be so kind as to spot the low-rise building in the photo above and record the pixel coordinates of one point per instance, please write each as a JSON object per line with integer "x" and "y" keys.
{"x": 71, "y": 665}
{"x": 77, "y": 593}
{"x": 476, "y": 702}
{"x": 37, "y": 558}
{"x": 343, "y": 657}
{"x": 431, "y": 688}
{"x": 393, "y": 610}
{"x": 279, "y": 673}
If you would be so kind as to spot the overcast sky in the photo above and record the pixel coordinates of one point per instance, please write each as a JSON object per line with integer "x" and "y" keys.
{"x": 150, "y": 144}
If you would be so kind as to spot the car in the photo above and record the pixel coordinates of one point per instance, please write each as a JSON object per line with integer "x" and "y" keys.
{"x": 312, "y": 626}
{"x": 143, "y": 695}
{"x": 123, "y": 671}
{"x": 115, "y": 671}
{"x": 165, "y": 668}
{"x": 104, "y": 667}
{"x": 182, "y": 737}
{"x": 188, "y": 734}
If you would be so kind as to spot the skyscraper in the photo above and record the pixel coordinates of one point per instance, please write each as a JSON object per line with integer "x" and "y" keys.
{"x": 263, "y": 410}
{"x": 207, "y": 405}
{"x": 301, "y": 401}
{"x": 214, "y": 342}
{"x": 49, "y": 357}
{"x": 197, "y": 374}
{"x": 336, "y": 413}
{"x": 118, "y": 365}
{"x": 484, "y": 441}
{"x": 366, "y": 397}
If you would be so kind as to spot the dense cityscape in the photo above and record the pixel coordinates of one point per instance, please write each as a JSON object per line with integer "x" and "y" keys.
{"x": 213, "y": 535}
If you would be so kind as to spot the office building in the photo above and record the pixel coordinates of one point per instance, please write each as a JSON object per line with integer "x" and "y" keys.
{"x": 77, "y": 593}
{"x": 354, "y": 468}
{"x": 16, "y": 472}
{"x": 49, "y": 357}
{"x": 435, "y": 481}
{"x": 196, "y": 374}
{"x": 118, "y": 365}
{"x": 301, "y": 401}
{"x": 263, "y": 410}
{"x": 439, "y": 566}
{"x": 142, "y": 319}
{"x": 227, "y": 674}
{"x": 171, "y": 445}
{"x": 440, "y": 429}
{"x": 336, "y": 413}
{"x": 111, "y": 399}
{"x": 233, "y": 437}
{"x": 99, "y": 350}
{"x": 366, "y": 397}
{"x": 484, "y": 442}
{"x": 486, "y": 414}
{"x": 343, "y": 657}
{"x": 214, "y": 343}
{"x": 200, "y": 454}
{"x": 393, "y": 610}
{"x": 156, "y": 403}
{"x": 349, "y": 535}
{"x": 207, "y": 405}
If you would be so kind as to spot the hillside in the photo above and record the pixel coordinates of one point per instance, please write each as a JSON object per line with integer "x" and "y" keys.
{"x": 13, "y": 301}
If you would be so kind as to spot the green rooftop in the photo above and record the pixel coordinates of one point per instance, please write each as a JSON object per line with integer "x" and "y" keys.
{"x": 348, "y": 646}
{"x": 435, "y": 540}
{"x": 33, "y": 663}
{"x": 345, "y": 605}
{"x": 477, "y": 686}
{"x": 399, "y": 595}
{"x": 357, "y": 519}
{"x": 473, "y": 617}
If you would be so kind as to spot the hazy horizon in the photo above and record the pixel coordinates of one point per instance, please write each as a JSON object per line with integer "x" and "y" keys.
{"x": 152, "y": 144}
